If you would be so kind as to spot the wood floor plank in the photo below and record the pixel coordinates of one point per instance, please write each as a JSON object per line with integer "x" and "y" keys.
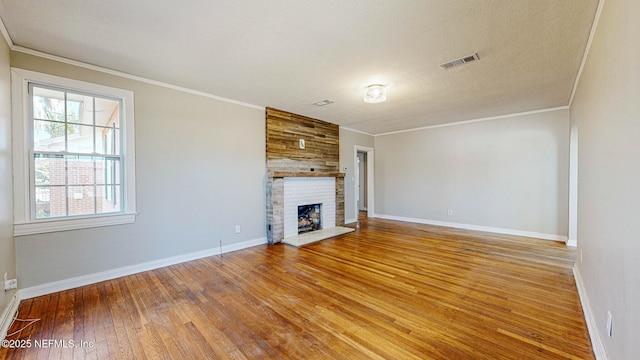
{"x": 388, "y": 290}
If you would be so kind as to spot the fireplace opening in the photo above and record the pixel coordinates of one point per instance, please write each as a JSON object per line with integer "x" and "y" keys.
{"x": 309, "y": 218}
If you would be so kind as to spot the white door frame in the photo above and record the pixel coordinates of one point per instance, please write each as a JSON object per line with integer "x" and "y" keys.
{"x": 370, "y": 178}
{"x": 357, "y": 182}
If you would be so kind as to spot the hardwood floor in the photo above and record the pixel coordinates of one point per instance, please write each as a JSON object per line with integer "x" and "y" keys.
{"x": 388, "y": 290}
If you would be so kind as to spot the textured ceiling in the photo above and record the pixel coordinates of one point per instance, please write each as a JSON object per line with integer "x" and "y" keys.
{"x": 289, "y": 54}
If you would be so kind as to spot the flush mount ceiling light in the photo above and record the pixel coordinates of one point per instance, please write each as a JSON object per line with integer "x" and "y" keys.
{"x": 323, "y": 102}
{"x": 376, "y": 93}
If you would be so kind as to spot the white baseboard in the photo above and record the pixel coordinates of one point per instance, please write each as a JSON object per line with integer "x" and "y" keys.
{"x": 8, "y": 315}
{"x": 596, "y": 340}
{"x": 66, "y": 284}
{"x": 531, "y": 234}
{"x": 572, "y": 242}
{"x": 350, "y": 221}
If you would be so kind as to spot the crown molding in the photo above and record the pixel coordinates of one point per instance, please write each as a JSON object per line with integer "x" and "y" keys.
{"x": 130, "y": 76}
{"x": 5, "y": 34}
{"x": 594, "y": 26}
{"x": 101, "y": 69}
{"x": 464, "y": 122}
{"x": 356, "y": 131}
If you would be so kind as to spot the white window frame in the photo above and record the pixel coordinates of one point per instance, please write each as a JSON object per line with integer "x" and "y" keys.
{"x": 25, "y": 222}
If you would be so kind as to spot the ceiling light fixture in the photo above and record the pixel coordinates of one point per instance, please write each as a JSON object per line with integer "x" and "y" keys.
{"x": 376, "y": 93}
{"x": 323, "y": 102}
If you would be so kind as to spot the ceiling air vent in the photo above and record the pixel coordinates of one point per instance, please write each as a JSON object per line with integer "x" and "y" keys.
{"x": 460, "y": 61}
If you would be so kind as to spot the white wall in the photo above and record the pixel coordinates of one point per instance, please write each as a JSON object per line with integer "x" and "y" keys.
{"x": 200, "y": 171}
{"x": 509, "y": 173}
{"x": 7, "y": 244}
{"x": 607, "y": 108}
{"x": 348, "y": 139}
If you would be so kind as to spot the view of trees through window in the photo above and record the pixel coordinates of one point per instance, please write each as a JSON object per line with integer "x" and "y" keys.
{"x": 76, "y": 153}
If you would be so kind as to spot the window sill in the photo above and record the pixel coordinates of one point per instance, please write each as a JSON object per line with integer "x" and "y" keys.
{"x": 54, "y": 225}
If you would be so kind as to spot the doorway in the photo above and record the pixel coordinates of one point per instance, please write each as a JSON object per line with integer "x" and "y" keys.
{"x": 363, "y": 180}
{"x": 361, "y": 175}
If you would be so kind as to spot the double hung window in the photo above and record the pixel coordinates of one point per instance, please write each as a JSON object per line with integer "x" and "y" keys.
{"x": 75, "y": 148}
{"x": 76, "y": 153}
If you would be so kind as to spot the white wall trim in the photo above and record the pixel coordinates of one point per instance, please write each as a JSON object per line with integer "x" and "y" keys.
{"x": 531, "y": 234}
{"x": 130, "y": 76}
{"x": 8, "y": 315}
{"x": 587, "y": 48}
{"x": 356, "y": 131}
{"x": 5, "y": 34}
{"x": 83, "y": 280}
{"x": 596, "y": 341}
{"x": 55, "y": 225}
{"x": 572, "y": 242}
{"x": 370, "y": 179}
{"x": 464, "y": 122}
{"x": 349, "y": 221}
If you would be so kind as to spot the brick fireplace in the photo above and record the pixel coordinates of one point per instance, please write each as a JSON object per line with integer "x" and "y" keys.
{"x": 286, "y": 191}
{"x": 301, "y": 172}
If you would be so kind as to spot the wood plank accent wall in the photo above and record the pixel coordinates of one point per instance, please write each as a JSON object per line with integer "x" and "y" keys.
{"x": 322, "y": 143}
{"x": 320, "y": 157}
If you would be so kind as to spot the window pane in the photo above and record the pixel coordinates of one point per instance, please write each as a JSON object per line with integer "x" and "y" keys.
{"x": 107, "y": 141}
{"x": 113, "y": 172}
{"x": 101, "y": 164}
{"x": 81, "y": 200}
{"x": 80, "y": 138}
{"x": 51, "y": 201}
{"x": 49, "y": 170}
{"x": 107, "y": 112}
{"x": 48, "y": 136}
{"x": 48, "y": 104}
{"x": 74, "y": 109}
{"x": 80, "y": 170}
{"x": 108, "y": 198}
{"x": 43, "y": 198}
{"x": 108, "y": 171}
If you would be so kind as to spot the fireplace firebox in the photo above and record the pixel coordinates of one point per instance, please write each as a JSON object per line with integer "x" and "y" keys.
{"x": 309, "y": 218}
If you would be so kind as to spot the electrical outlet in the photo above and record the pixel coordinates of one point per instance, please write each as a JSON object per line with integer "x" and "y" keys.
{"x": 609, "y": 323}
{"x": 449, "y": 212}
{"x": 237, "y": 229}
{"x": 9, "y": 284}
